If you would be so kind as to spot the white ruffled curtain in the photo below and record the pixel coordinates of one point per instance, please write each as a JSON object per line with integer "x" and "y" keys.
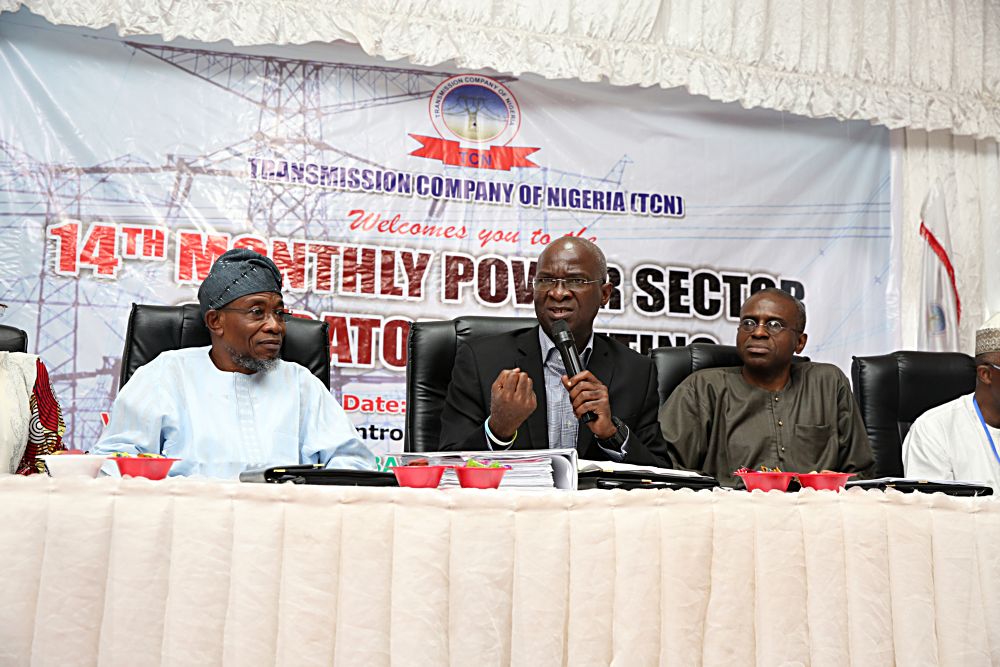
{"x": 907, "y": 63}
{"x": 922, "y": 65}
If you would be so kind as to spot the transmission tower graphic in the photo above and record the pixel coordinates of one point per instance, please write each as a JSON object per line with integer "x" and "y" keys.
{"x": 476, "y": 117}
{"x": 294, "y": 102}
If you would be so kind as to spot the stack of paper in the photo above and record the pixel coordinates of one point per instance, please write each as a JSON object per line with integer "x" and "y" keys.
{"x": 534, "y": 472}
{"x": 529, "y": 469}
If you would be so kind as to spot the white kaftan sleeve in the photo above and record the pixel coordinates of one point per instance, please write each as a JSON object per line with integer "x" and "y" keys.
{"x": 326, "y": 432}
{"x": 139, "y": 415}
{"x": 925, "y": 451}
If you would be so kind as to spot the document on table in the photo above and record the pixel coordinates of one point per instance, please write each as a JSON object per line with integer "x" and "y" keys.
{"x": 584, "y": 465}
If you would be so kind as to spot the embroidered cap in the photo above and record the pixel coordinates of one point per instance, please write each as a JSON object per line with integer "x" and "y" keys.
{"x": 988, "y": 336}
{"x": 236, "y": 273}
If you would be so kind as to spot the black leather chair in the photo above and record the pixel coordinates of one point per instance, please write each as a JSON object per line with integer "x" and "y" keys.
{"x": 673, "y": 364}
{"x": 13, "y": 339}
{"x": 894, "y": 389}
{"x": 155, "y": 329}
{"x": 430, "y": 358}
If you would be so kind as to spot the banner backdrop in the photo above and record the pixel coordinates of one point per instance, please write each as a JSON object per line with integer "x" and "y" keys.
{"x": 389, "y": 193}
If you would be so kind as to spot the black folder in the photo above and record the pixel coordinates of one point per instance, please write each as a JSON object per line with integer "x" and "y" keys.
{"x": 642, "y": 479}
{"x": 923, "y": 486}
{"x": 318, "y": 474}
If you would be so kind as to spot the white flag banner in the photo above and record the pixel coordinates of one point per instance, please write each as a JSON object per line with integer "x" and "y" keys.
{"x": 940, "y": 306}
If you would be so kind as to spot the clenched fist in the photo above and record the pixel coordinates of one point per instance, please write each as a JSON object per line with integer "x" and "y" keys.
{"x": 512, "y": 400}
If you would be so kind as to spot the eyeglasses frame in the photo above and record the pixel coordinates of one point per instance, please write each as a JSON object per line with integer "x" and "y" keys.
{"x": 583, "y": 284}
{"x": 758, "y": 324}
{"x": 268, "y": 312}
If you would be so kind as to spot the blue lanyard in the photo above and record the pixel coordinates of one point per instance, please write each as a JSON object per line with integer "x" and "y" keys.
{"x": 985, "y": 430}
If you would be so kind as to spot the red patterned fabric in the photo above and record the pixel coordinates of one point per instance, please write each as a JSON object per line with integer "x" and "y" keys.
{"x": 46, "y": 428}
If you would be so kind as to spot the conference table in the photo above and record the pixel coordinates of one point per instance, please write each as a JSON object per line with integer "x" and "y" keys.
{"x": 201, "y": 572}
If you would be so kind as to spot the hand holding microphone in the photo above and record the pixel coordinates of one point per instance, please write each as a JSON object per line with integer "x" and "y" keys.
{"x": 563, "y": 338}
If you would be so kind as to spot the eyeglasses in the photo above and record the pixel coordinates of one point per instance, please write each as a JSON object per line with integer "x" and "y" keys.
{"x": 572, "y": 284}
{"x": 773, "y": 327}
{"x": 259, "y": 313}
{"x": 987, "y": 363}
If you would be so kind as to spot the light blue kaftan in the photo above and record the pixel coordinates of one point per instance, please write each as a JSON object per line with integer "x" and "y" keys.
{"x": 221, "y": 423}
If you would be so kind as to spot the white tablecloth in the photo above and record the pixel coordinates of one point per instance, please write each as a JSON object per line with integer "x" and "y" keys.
{"x": 187, "y": 572}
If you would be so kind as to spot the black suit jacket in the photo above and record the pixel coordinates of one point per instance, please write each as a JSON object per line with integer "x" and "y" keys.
{"x": 629, "y": 376}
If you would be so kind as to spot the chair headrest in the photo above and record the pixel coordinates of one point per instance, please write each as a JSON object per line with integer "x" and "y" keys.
{"x": 892, "y": 390}
{"x": 13, "y": 339}
{"x": 155, "y": 329}
{"x": 673, "y": 364}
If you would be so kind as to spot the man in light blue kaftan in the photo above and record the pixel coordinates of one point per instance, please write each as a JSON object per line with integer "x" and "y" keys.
{"x": 234, "y": 405}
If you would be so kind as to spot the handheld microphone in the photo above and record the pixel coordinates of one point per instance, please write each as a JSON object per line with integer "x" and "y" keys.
{"x": 563, "y": 338}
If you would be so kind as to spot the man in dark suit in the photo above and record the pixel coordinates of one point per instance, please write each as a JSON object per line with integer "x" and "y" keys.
{"x": 511, "y": 390}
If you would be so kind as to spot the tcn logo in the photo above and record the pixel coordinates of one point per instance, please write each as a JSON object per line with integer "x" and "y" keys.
{"x": 476, "y": 117}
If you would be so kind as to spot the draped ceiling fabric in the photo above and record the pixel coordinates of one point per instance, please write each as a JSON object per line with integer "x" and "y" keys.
{"x": 923, "y": 66}
{"x": 901, "y": 64}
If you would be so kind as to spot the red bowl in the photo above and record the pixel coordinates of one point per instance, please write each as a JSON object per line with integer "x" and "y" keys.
{"x": 766, "y": 481}
{"x": 824, "y": 481}
{"x": 479, "y": 478}
{"x": 143, "y": 466}
{"x": 419, "y": 477}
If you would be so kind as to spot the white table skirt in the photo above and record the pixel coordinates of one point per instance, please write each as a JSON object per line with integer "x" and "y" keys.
{"x": 188, "y": 572}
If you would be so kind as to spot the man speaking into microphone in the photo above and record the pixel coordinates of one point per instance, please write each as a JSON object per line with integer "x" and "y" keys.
{"x": 513, "y": 390}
